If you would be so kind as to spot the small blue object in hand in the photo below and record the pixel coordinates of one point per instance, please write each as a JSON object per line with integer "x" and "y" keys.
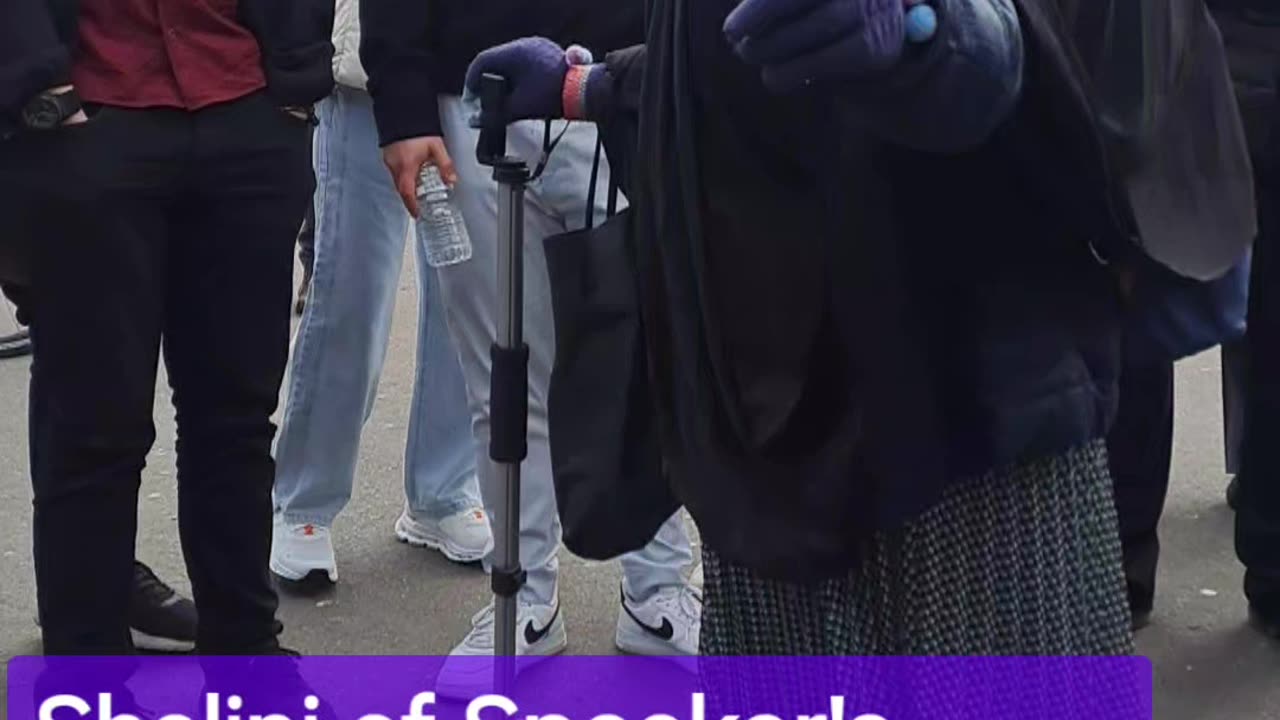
{"x": 922, "y": 24}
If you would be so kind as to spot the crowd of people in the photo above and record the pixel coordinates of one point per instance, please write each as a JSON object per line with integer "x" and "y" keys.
{"x": 886, "y": 264}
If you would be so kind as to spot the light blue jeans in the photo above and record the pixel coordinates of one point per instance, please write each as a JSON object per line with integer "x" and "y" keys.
{"x": 341, "y": 344}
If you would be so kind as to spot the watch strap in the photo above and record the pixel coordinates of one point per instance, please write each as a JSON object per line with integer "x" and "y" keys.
{"x": 66, "y": 104}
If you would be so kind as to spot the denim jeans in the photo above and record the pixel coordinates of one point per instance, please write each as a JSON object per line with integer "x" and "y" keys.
{"x": 556, "y": 202}
{"x": 341, "y": 344}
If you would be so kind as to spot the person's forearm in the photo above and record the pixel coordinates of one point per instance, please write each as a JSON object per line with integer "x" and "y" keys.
{"x": 596, "y": 92}
{"x": 396, "y": 54}
{"x": 952, "y": 93}
{"x": 33, "y": 58}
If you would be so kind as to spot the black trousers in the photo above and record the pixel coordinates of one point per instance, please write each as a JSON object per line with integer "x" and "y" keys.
{"x": 1141, "y": 441}
{"x": 1141, "y": 449}
{"x": 158, "y": 229}
{"x": 1258, "y": 516}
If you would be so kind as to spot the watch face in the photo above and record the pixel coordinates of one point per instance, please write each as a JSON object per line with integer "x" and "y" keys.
{"x": 42, "y": 114}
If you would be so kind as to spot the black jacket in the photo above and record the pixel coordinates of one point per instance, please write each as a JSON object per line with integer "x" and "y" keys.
{"x": 841, "y": 326}
{"x": 415, "y": 50}
{"x": 38, "y": 37}
{"x": 1251, "y": 32}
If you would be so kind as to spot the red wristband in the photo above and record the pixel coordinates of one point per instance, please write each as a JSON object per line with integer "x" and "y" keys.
{"x": 574, "y": 97}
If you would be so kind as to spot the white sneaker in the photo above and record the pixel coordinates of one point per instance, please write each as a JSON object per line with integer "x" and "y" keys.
{"x": 468, "y": 670}
{"x": 302, "y": 553}
{"x": 668, "y": 623}
{"x": 462, "y": 537}
{"x": 695, "y": 577}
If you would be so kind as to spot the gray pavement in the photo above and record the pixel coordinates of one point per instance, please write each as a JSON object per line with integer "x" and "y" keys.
{"x": 398, "y": 600}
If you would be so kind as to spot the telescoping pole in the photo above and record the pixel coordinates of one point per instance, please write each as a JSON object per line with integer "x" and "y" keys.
{"x": 509, "y": 381}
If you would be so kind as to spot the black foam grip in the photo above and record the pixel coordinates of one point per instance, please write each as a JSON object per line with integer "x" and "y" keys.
{"x": 492, "y": 143}
{"x": 509, "y": 404}
{"x": 506, "y": 582}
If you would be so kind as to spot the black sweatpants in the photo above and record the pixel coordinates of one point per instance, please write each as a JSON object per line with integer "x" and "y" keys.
{"x": 1258, "y": 516}
{"x": 158, "y": 229}
{"x": 1140, "y": 444}
{"x": 1140, "y": 447}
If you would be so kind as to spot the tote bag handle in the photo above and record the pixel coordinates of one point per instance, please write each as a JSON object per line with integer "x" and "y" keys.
{"x": 611, "y": 205}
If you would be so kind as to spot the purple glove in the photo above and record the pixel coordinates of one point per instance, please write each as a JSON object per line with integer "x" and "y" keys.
{"x": 534, "y": 68}
{"x": 796, "y": 42}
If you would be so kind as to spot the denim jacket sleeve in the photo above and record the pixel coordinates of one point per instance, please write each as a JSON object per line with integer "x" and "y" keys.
{"x": 950, "y": 94}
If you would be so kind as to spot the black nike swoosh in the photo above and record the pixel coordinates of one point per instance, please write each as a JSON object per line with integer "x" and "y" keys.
{"x": 532, "y": 634}
{"x": 665, "y": 631}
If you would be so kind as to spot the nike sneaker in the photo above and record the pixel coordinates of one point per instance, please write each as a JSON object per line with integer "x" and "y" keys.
{"x": 468, "y": 671}
{"x": 302, "y": 555}
{"x": 667, "y": 623}
{"x": 160, "y": 620}
{"x": 695, "y": 577}
{"x": 463, "y": 537}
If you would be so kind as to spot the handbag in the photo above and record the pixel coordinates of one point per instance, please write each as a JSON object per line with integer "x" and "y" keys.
{"x": 1173, "y": 317}
{"x": 606, "y": 454}
{"x": 1171, "y": 126}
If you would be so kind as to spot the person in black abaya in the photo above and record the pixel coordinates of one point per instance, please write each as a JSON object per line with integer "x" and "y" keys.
{"x": 884, "y": 343}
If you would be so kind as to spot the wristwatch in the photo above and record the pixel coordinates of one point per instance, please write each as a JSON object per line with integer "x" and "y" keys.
{"x": 48, "y": 110}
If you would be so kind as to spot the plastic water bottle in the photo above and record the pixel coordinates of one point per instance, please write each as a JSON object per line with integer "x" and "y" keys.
{"x": 440, "y": 227}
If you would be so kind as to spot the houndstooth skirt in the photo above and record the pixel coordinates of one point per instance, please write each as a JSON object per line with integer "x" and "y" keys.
{"x": 1024, "y": 561}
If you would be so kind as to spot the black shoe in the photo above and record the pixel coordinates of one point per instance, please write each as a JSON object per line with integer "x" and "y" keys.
{"x": 1263, "y": 591}
{"x": 1233, "y": 493}
{"x": 160, "y": 619}
{"x": 1141, "y": 603}
{"x": 1267, "y": 623}
{"x": 1139, "y": 619}
{"x": 277, "y": 682}
{"x": 304, "y": 294}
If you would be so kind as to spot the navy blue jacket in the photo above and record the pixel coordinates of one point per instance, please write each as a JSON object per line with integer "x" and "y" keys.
{"x": 417, "y": 50}
{"x": 37, "y": 38}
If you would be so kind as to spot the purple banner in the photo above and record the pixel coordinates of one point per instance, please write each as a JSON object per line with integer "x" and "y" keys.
{"x": 579, "y": 688}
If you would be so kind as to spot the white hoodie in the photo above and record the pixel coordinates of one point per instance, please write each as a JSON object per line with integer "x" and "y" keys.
{"x": 347, "y": 69}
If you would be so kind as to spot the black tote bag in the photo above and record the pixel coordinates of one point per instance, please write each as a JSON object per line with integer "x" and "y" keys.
{"x": 606, "y": 455}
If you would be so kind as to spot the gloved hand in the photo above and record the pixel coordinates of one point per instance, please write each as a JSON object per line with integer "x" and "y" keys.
{"x": 535, "y": 70}
{"x": 797, "y": 42}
